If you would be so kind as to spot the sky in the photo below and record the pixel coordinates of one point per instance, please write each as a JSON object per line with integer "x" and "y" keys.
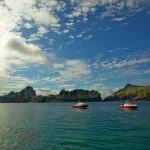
{"x": 72, "y": 44}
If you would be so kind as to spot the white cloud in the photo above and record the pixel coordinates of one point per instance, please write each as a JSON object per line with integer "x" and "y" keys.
{"x": 124, "y": 63}
{"x": 65, "y": 31}
{"x": 18, "y": 47}
{"x": 82, "y": 8}
{"x": 20, "y": 13}
{"x": 88, "y": 37}
{"x": 28, "y": 25}
{"x": 53, "y": 79}
{"x": 105, "y": 91}
{"x": 16, "y": 53}
{"x": 79, "y": 36}
{"x": 75, "y": 69}
{"x": 45, "y": 91}
{"x": 105, "y": 29}
{"x": 69, "y": 70}
{"x": 36, "y": 36}
{"x": 2, "y": 93}
{"x": 112, "y": 8}
{"x": 133, "y": 72}
{"x": 15, "y": 82}
{"x": 119, "y": 19}
{"x": 69, "y": 24}
{"x": 50, "y": 41}
{"x": 142, "y": 81}
{"x": 71, "y": 37}
{"x": 129, "y": 72}
{"x": 67, "y": 86}
{"x": 58, "y": 65}
{"x": 40, "y": 14}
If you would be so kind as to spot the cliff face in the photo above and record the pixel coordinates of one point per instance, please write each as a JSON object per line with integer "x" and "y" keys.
{"x": 27, "y": 93}
{"x": 79, "y": 94}
{"x": 24, "y": 95}
{"x": 131, "y": 92}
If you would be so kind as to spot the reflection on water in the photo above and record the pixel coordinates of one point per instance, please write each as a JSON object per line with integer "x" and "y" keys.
{"x": 58, "y": 126}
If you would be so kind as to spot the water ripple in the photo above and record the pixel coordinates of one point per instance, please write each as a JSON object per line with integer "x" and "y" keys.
{"x": 59, "y": 127}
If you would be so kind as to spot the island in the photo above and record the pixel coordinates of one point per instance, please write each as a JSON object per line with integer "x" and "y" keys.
{"x": 29, "y": 95}
{"x": 79, "y": 94}
{"x": 134, "y": 92}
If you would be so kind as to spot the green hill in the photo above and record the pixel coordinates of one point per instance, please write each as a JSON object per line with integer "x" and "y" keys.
{"x": 78, "y": 94}
{"x": 24, "y": 95}
{"x": 135, "y": 92}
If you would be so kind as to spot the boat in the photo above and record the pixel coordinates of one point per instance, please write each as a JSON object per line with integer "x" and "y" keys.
{"x": 128, "y": 105}
{"x": 80, "y": 105}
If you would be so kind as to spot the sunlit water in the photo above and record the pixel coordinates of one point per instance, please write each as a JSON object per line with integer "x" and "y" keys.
{"x": 57, "y": 126}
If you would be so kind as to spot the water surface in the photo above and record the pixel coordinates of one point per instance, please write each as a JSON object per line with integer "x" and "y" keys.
{"x": 57, "y": 126}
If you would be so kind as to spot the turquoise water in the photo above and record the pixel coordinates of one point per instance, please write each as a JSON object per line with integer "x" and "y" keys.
{"x": 57, "y": 126}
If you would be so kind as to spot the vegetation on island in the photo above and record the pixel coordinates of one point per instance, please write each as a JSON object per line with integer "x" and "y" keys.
{"x": 29, "y": 95}
{"x": 78, "y": 94}
{"x": 134, "y": 92}
{"x": 24, "y": 95}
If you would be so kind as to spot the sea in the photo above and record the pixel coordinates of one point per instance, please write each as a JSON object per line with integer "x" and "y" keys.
{"x": 58, "y": 126}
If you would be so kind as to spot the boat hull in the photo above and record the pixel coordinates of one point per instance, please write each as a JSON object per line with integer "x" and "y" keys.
{"x": 129, "y": 107}
{"x": 80, "y": 107}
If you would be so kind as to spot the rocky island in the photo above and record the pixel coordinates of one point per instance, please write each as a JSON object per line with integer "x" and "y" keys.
{"x": 24, "y": 95}
{"x": 134, "y": 92}
{"x": 79, "y": 94}
{"x": 29, "y": 95}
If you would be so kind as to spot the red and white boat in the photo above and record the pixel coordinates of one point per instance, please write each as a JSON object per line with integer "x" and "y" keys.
{"x": 128, "y": 105}
{"x": 80, "y": 105}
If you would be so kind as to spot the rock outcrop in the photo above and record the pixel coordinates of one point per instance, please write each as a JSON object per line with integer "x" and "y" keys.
{"x": 29, "y": 95}
{"x": 24, "y": 95}
{"x": 79, "y": 94}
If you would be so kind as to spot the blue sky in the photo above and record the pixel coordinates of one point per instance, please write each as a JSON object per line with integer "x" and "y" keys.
{"x": 90, "y": 44}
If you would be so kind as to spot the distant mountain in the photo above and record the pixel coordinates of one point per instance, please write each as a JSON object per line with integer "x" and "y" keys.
{"x": 135, "y": 92}
{"x": 24, "y": 95}
{"x": 79, "y": 94}
{"x": 29, "y": 95}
